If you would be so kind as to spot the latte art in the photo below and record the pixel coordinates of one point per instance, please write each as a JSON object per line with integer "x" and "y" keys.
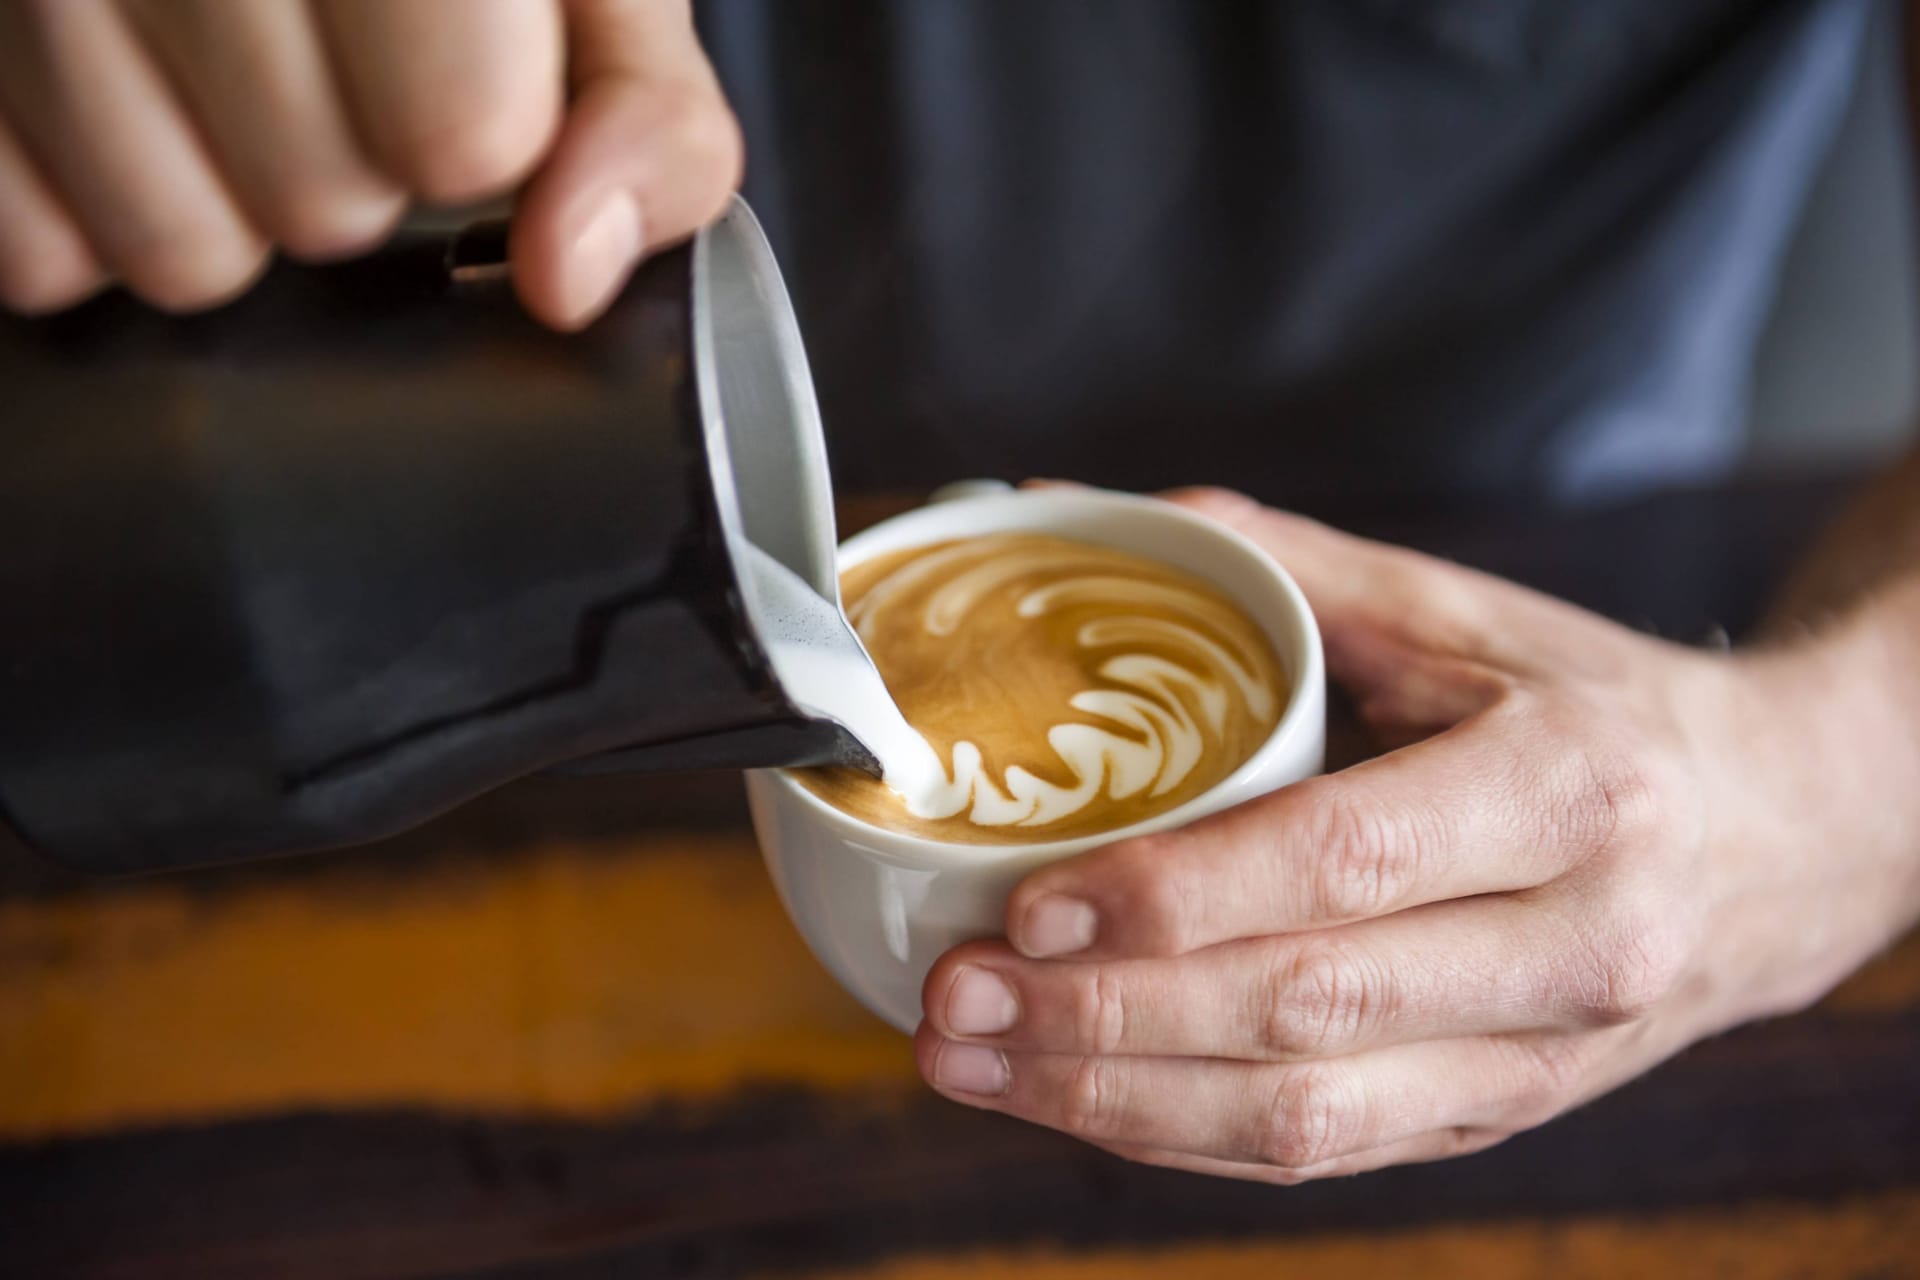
{"x": 1064, "y": 688}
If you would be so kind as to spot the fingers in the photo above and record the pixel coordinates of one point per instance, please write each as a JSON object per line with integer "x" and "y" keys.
{"x": 650, "y": 153}
{"x": 1384, "y": 609}
{"x": 456, "y": 99}
{"x": 45, "y": 263}
{"x": 172, "y": 165}
{"x": 1354, "y": 582}
{"x": 98, "y": 119}
{"x": 255, "y": 74}
{"x": 1496, "y": 804}
{"x": 1291, "y": 1116}
{"x": 1483, "y": 967}
{"x": 182, "y": 136}
{"x": 1441, "y": 1144}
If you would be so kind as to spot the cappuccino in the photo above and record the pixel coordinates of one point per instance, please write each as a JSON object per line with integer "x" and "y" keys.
{"x": 1063, "y": 688}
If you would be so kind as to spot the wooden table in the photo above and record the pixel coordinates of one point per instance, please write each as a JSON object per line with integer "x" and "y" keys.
{"x": 567, "y": 1032}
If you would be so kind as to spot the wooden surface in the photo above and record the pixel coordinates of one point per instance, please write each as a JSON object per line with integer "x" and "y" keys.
{"x": 566, "y": 1031}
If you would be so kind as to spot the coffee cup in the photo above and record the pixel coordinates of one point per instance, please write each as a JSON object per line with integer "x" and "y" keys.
{"x": 878, "y": 906}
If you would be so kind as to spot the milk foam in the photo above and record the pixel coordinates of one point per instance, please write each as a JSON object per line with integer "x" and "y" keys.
{"x": 1161, "y": 711}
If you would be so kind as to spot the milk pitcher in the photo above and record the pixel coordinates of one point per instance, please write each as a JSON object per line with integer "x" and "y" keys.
{"x": 366, "y": 542}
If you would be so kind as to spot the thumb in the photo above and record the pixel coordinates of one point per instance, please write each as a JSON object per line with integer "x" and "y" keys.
{"x": 648, "y": 154}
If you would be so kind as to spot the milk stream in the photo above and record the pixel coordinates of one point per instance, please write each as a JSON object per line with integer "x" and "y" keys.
{"x": 826, "y": 671}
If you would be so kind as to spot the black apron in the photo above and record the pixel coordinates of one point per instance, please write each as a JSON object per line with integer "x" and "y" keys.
{"x": 1419, "y": 252}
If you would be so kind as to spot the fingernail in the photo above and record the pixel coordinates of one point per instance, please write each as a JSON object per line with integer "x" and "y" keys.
{"x": 603, "y": 255}
{"x": 1056, "y": 926}
{"x": 971, "y": 1068}
{"x": 980, "y": 1004}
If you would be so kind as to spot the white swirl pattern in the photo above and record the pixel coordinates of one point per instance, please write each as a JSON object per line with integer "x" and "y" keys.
{"x": 1168, "y": 683}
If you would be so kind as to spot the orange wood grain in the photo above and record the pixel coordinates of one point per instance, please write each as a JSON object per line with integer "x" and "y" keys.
{"x": 569, "y": 979}
{"x": 1877, "y": 1236}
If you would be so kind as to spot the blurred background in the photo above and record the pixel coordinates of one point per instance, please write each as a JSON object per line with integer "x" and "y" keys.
{"x": 1835, "y": 379}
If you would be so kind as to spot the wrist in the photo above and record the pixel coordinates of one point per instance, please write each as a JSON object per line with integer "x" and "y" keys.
{"x": 1869, "y": 669}
{"x": 1835, "y": 719}
{"x": 1805, "y": 769}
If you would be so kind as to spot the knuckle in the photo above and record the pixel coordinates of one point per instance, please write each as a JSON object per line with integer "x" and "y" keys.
{"x": 195, "y": 271}
{"x": 1161, "y": 899}
{"x": 1321, "y": 1001}
{"x": 1562, "y": 1067}
{"x": 1092, "y": 1098}
{"x": 37, "y": 284}
{"x": 1639, "y": 964}
{"x": 1612, "y": 801}
{"x": 1306, "y": 1121}
{"x": 478, "y": 150}
{"x": 1101, "y": 1018}
{"x": 1451, "y": 607}
{"x": 323, "y": 221}
{"x": 1365, "y": 861}
{"x": 1552, "y": 1070}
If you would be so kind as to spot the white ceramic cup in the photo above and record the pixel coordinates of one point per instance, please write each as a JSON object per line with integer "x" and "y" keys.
{"x": 879, "y": 906}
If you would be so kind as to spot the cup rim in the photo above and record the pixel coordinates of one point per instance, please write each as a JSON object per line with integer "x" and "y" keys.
{"x": 1294, "y": 721}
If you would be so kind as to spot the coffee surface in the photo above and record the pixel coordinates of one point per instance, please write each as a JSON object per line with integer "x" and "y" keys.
{"x": 1066, "y": 688}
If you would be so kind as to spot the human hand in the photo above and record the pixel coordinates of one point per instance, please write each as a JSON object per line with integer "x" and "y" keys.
{"x": 1593, "y": 848}
{"x": 172, "y": 145}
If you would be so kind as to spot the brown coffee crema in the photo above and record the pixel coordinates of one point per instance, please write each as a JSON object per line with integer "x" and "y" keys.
{"x": 1068, "y": 688}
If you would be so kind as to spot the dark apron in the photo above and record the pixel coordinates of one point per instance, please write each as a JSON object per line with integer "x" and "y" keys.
{"x": 1423, "y": 252}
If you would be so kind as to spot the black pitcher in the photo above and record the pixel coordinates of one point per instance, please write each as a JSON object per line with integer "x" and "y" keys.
{"x": 316, "y": 566}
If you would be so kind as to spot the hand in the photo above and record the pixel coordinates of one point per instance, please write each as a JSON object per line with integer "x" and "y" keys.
{"x": 1593, "y": 849}
{"x": 173, "y": 144}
